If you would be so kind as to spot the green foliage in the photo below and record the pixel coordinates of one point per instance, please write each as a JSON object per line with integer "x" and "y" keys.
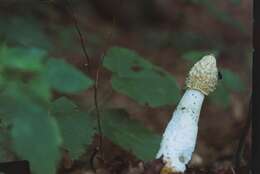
{"x": 69, "y": 41}
{"x": 232, "y": 81}
{"x": 45, "y": 73}
{"x": 195, "y": 55}
{"x": 22, "y": 59}
{"x": 36, "y": 138}
{"x": 39, "y": 87}
{"x": 34, "y": 133}
{"x": 24, "y": 31}
{"x": 65, "y": 78}
{"x": 116, "y": 125}
{"x": 220, "y": 96}
{"x": 130, "y": 134}
{"x": 77, "y": 127}
{"x": 25, "y": 95}
{"x": 139, "y": 79}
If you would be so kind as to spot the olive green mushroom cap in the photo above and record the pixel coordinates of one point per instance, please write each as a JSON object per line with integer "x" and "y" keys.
{"x": 203, "y": 76}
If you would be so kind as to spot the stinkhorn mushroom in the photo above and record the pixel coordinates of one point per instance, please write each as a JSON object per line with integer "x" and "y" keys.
{"x": 179, "y": 138}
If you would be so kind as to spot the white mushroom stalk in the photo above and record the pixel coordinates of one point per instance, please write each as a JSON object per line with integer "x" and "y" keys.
{"x": 179, "y": 138}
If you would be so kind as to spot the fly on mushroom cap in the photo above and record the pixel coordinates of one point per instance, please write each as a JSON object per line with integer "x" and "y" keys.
{"x": 203, "y": 76}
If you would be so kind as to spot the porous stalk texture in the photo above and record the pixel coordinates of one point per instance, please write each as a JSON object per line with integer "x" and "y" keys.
{"x": 180, "y": 135}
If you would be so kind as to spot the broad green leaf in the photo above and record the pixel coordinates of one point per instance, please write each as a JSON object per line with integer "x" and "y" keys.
{"x": 125, "y": 63}
{"x": 220, "y": 96}
{"x": 63, "y": 105}
{"x": 29, "y": 61}
{"x": 35, "y": 135}
{"x": 130, "y": 134}
{"x": 22, "y": 59}
{"x": 14, "y": 100}
{"x": 25, "y": 31}
{"x": 232, "y": 81}
{"x": 139, "y": 79}
{"x": 77, "y": 127}
{"x": 36, "y": 138}
{"x": 64, "y": 77}
{"x": 150, "y": 89}
{"x": 39, "y": 87}
{"x": 195, "y": 55}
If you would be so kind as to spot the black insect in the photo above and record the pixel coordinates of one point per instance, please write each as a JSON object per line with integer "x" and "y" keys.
{"x": 219, "y": 75}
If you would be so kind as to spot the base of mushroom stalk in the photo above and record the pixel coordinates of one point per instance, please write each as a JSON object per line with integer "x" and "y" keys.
{"x": 168, "y": 170}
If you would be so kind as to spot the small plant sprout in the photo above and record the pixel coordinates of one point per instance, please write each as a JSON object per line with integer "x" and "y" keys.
{"x": 179, "y": 138}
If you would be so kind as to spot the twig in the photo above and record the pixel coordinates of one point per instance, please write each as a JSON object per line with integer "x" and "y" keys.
{"x": 105, "y": 98}
{"x": 83, "y": 46}
{"x": 98, "y": 113}
{"x": 81, "y": 38}
{"x": 100, "y": 146}
{"x": 92, "y": 157}
{"x": 96, "y": 94}
{"x": 240, "y": 148}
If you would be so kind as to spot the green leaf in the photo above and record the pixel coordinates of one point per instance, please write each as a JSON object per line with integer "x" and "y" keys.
{"x": 125, "y": 63}
{"x": 24, "y": 67}
{"x": 77, "y": 127}
{"x": 22, "y": 59}
{"x": 63, "y": 77}
{"x": 14, "y": 100}
{"x": 195, "y": 55}
{"x": 130, "y": 134}
{"x": 25, "y": 31}
{"x": 232, "y": 81}
{"x": 139, "y": 79}
{"x": 36, "y": 138}
{"x": 34, "y": 134}
{"x": 220, "y": 96}
{"x": 39, "y": 87}
{"x": 63, "y": 105}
